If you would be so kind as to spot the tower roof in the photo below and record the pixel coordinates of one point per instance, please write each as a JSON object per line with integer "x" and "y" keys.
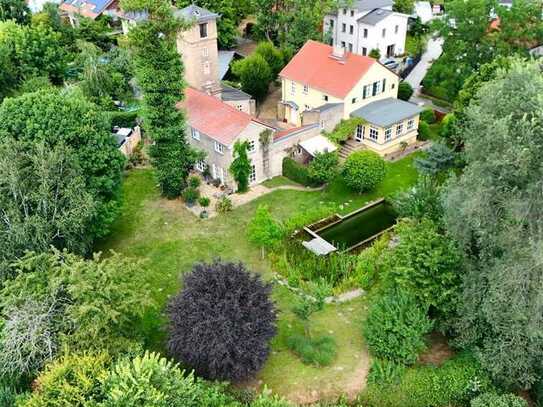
{"x": 194, "y": 12}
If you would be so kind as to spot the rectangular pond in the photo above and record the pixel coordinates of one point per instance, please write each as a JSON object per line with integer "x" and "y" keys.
{"x": 355, "y": 229}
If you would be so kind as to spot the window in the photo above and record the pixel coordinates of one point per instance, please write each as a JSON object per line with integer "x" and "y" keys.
{"x": 352, "y": 13}
{"x": 205, "y": 52}
{"x": 201, "y": 165}
{"x": 344, "y": 11}
{"x": 239, "y": 107}
{"x": 366, "y": 91}
{"x": 410, "y": 124}
{"x": 207, "y": 69}
{"x": 351, "y": 29}
{"x": 219, "y": 148}
{"x": 342, "y": 44}
{"x": 384, "y": 33}
{"x": 393, "y": 86}
{"x": 388, "y": 133}
{"x": 396, "y": 29}
{"x": 325, "y": 98}
{"x": 376, "y": 88}
{"x": 251, "y": 147}
{"x": 365, "y": 33}
{"x": 252, "y": 174}
{"x": 364, "y": 51}
{"x": 331, "y": 23}
{"x": 307, "y": 107}
{"x": 195, "y": 134}
{"x": 203, "y": 30}
{"x": 306, "y": 89}
{"x": 322, "y": 124}
{"x": 359, "y": 133}
{"x": 399, "y": 130}
{"x": 353, "y": 101}
{"x": 374, "y": 133}
{"x": 293, "y": 88}
{"x": 384, "y": 85}
{"x": 343, "y": 27}
{"x": 350, "y": 47}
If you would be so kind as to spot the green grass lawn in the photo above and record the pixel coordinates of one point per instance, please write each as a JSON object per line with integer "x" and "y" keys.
{"x": 280, "y": 181}
{"x": 170, "y": 239}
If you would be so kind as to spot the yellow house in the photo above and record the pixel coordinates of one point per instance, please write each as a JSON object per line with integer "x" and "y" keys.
{"x": 327, "y": 84}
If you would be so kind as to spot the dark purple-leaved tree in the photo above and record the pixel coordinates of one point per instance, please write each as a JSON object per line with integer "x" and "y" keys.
{"x": 222, "y": 321}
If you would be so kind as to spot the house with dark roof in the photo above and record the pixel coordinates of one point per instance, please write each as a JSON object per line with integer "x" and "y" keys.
{"x": 88, "y": 8}
{"x": 365, "y": 25}
{"x": 324, "y": 85}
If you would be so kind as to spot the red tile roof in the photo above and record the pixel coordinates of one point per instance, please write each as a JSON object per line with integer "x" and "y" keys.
{"x": 214, "y": 118}
{"x": 287, "y": 132}
{"x": 314, "y": 66}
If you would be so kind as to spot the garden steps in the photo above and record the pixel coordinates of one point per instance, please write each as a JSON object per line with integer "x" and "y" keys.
{"x": 348, "y": 148}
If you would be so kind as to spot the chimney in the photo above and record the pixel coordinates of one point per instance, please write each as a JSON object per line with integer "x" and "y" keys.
{"x": 338, "y": 53}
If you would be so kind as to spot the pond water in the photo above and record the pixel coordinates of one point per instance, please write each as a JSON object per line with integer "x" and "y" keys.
{"x": 359, "y": 226}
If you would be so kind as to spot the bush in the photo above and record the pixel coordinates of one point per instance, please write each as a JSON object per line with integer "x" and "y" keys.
{"x": 423, "y": 200}
{"x": 384, "y": 371}
{"x": 190, "y": 195}
{"x": 344, "y": 130}
{"x": 272, "y": 55}
{"x": 318, "y": 351}
{"x": 203, "y": 201}
{"x": 74, "y": 380}
{"x": 194, "y": 181}
{"x": 236, "y": 344}
{"x": 405, "y": 91}
{"x": 364, "y": 170}
{"x": 375, "y": 53}
{"x": 123, "y": 119}
{"x": 255, "y": 75}
{"x": 224, "y": 205}
{"x": 453, "y": 384}
{"x": 323, "y": 168}
{"x": 396, "y": 326}
{"x": 424, "y": 131}
{"x": 428, "y": 115}
{"x": 263, "y": 230}
{"x": 297, "y": 172}
{"x": 498, "y": 400}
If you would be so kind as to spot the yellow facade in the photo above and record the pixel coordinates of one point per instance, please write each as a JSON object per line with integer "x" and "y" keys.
{"x": 306, "y": 98}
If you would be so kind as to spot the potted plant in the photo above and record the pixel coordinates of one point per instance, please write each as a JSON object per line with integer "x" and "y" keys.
{"x": 190, "y": 195}
{"x": 204, "y": 203}
{"x": 194, "y": 181}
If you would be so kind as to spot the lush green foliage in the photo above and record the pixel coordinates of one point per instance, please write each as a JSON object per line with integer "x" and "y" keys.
{"x": 240, "y": 168}
{"x": 55, "y": 118}
{"x": 454, "y": 383}
{"x": 16, "y": 10}
{"x": 190, "y": 195}
{"x": 428, "y": 115}
{"x": 405, "y": 91}
{"x": 159, "y": 72}
{"x": 375, "y": 53}
{"x": 396, "y": 326}
{"x": 344, "y": 130}
{"x": 404, "y": 6}
{"x": 224, "y": 205}
{"x": 498, "y": 400}
{"x": 423, "y": 200}
{"x": 364, "y": 170}
{"x": 237, "y": 344}
{"x": 297, "y": 172}
{"x": 254, "y": 74}
{"x": 424, "y": 131}
{"x": 323, "y": 168}
{"x": 493, "y": 211}
{"x": 314, "y": 350}
{"x": 438, "y": 159}
{"x": 272, "y": 55}
{"x": 384, "y": 371}
{"x": 264, "y": 230}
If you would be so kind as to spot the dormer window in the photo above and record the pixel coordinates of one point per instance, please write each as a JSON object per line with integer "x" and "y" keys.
{"x": 203, "y": 30}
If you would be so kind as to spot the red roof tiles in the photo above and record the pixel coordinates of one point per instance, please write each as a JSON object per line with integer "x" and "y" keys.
{"x": 314, "y": 66}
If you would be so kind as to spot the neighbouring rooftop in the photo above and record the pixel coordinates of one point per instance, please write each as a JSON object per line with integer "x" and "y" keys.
{"x": 386, "y": 112}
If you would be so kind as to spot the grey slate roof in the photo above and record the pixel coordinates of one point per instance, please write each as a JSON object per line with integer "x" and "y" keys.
{"x": 386, "y": 112}
{"x": 373, "y": 17}
{"x": 362, "y": 5}
{"x": 225, "y": 57}
{"x": 326, "y": 106}
{"x": 194, "y": 12}
{"x": 230, "y": 93}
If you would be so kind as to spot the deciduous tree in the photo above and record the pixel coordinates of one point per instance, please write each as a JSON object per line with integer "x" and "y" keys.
{"x": 241, "y": 165}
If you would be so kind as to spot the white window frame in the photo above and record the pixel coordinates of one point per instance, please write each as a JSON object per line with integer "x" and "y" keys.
{"x": 410, "y": 124}
{"x": 359, "y": 133}
{"x": 325, "y": 98}
{"x": 374, "y": 133}
{"x": 399, "y": 129}
{"x": 200, "y": 165}
{"x": 292, "y": 88}
{"x": 251, "y": 146}
{"x": 306, "y": 89}
{"x": 219, "y": 148}
{"x": 388, "y": 134}
{"x": 195, "y": 134}
{"x": 252, "y": 174}
{"x": 205, "y": 52}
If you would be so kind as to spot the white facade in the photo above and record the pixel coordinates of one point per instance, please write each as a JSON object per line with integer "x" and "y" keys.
{"x": 361, "y": 31}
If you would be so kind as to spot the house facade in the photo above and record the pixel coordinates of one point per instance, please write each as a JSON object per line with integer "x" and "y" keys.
{"x": 365, "y": 25}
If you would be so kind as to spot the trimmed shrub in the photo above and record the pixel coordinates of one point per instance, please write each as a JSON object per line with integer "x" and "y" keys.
{"x": 428, "y": 115}
{"x": 405, "y": 91}
{"x": 364, "y": 170}
{"x": 123, "y": 119}
{"x": 424, "y": 131}
{"x": 190, "y": 195}
{"x": 222, "y": 321}
{"x": 318, "y": 351}
{"x": 498, "y": 400}
{"x": 203, "y": 201}
{"x": 375, "y": 53}
{"x": 453, "y": 384}
{"x": 297, "y": 172}
{"x": 323, "y": 168}
{"x": 396, "y": 326}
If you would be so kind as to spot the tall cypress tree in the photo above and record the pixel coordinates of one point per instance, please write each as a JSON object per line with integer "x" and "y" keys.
{"x": 159, "y": 73}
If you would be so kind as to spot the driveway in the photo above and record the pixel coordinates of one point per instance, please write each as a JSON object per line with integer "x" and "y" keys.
{"x": 433, "y": 51}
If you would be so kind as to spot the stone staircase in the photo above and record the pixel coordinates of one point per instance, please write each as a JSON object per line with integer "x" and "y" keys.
{"x": 349, "y": 147}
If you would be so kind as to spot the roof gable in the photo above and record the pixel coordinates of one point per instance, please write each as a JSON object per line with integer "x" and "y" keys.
{"x": 88, "y": 8}
{"x": 314, "y": 65}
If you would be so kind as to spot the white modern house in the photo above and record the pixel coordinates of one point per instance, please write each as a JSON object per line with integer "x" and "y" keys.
{"x": 364, "y": 25}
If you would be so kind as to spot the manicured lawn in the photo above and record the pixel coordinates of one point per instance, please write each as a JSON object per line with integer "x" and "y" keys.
{"x": 279, "y": 181}
{"x": 170, "y": 239}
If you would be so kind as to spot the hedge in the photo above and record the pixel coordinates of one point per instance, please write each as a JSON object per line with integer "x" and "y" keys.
{"x": 297, "y": 172}
{"x": 123, "y": 119}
